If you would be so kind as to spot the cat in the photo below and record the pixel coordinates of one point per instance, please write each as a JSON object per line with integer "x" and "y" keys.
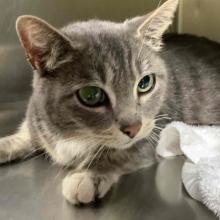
{"x": 102, "y": 92}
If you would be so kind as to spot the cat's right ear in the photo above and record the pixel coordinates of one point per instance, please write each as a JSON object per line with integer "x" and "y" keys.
{"x": 46, "y": 48}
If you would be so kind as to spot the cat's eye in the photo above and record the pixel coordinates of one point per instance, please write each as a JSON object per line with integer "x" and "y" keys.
{"x": 91, "y": 96}
{"x": 146, "y": 84}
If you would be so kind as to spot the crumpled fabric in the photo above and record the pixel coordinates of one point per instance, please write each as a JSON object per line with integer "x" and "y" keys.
{"x": 201, "y": 171}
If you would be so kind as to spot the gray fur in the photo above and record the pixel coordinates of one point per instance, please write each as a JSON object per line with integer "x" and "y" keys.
{"x": 194, "y": 74}
{"x": 114, "y": 57}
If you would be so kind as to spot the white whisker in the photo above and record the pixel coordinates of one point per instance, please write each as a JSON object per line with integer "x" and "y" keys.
{"x": 156, "y": 135}
{"x": 94, "y": 156}
{"x": 158, "y": 128}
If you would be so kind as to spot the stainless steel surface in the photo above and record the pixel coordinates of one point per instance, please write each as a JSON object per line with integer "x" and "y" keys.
{"x": 31, "y": 189}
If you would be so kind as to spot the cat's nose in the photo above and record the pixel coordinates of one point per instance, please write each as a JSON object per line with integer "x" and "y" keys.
{"x": 131, "y": 130}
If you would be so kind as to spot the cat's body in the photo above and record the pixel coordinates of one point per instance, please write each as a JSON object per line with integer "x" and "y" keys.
{"x": 194, "y": 92}
{"x": 103, "y": 141}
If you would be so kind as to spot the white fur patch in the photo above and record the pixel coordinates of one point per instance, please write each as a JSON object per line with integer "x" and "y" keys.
{"x": 67, "y": 150}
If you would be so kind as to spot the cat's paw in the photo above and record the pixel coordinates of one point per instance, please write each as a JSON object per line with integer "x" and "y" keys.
{"x": 84, "y": 187}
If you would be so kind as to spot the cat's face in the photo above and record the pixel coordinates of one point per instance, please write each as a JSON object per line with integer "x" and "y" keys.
{"x": 99, "y": 81}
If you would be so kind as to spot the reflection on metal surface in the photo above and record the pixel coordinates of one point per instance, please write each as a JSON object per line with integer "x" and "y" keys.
{"x": 169, "y": 182}
{"x": 33, "y": 189}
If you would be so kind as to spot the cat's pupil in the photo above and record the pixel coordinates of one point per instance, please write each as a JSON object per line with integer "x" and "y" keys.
{"x": 144, "y": 82}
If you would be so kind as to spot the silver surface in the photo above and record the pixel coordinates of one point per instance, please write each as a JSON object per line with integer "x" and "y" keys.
{"x": 31, "y": 190}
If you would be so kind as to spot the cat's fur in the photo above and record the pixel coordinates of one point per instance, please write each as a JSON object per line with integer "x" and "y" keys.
{"x": 113, "y": 56}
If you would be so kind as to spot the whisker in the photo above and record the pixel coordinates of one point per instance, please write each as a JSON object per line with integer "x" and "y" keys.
{"x": 108, "y": 152}
{"x": 155, "y": 153}
{"x": 161, "y": 115}
{"x": 59, "y": 173}
{"x": 94, "y": 157}
{"x": 41, "y": 154}
{"x": 99, "y": 157}
{"x": 31, "y": 153}
{"x": 156, "y": 135}
{"x": 158, "y": 128}
{"x": 166, "y": 118}
{"x": 153, "y": 139}
{"x": 151, "y": 142}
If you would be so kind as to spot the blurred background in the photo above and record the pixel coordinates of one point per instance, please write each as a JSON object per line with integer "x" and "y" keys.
{"x": 61, "y": 12}
{"x": 199, "y": 17}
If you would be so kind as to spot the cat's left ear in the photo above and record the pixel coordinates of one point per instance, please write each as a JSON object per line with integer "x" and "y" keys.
{"x": 150, "y": 28}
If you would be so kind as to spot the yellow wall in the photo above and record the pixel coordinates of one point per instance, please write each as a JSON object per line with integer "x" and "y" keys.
{"x": 61, "y": 12}
{"x": 201, "y": 17}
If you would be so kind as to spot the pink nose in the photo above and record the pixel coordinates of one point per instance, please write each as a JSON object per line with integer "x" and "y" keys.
{"x": 132, "y": 130}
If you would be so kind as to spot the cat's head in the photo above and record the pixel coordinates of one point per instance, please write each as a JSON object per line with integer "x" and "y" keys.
{"x": 98, "y": 80}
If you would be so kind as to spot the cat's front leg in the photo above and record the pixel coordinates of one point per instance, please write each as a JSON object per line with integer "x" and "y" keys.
{"x": 84, "y": 187}
{"x": 16, "y": 146}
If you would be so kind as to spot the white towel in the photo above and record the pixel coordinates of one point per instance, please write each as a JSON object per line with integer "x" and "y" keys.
{"x": 201, "y": 172}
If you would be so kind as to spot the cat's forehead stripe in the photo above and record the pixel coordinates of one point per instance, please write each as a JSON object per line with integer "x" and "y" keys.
{"x": 113, "y": 60}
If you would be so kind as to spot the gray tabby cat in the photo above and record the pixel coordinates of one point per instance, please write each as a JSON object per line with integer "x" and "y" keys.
{"x": 102, "y": 91}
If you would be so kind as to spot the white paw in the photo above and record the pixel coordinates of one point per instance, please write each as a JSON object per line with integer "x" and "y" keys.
{"x": 84, "y": 187}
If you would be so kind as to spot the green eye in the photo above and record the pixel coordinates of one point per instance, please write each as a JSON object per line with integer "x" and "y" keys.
{"x": 91, "y": 96}
{"x": 146, "y": 84}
